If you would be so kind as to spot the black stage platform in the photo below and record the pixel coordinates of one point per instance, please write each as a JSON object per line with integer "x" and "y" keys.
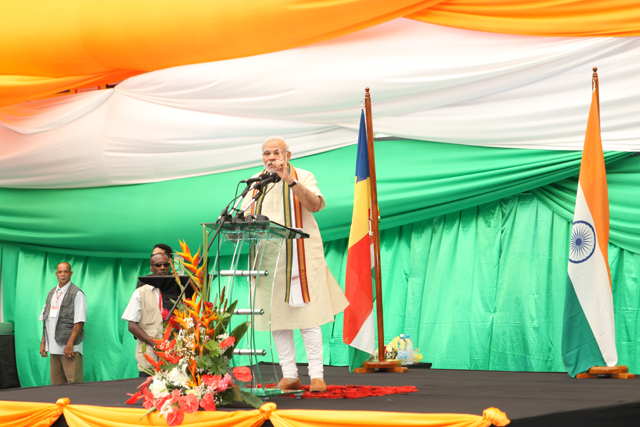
{"x": 528, "y": 398}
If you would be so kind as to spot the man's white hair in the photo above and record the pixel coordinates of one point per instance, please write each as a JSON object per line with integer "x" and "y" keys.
{"x": 276, "y": 138}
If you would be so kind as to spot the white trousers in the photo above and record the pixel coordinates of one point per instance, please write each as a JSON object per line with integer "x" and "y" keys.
{"x": 287, "y": 353}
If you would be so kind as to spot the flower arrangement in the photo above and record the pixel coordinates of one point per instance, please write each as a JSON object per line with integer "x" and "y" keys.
{"x": 391, "y": 352}
{"x": 193, "y": 368}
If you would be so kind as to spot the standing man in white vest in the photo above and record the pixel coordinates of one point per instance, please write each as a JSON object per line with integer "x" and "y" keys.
{"x": 144, "y": 314}
{"x": 64, "y": 314}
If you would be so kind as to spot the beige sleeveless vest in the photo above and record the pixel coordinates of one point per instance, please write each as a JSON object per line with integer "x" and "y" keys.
{"x": 150, "y": 322}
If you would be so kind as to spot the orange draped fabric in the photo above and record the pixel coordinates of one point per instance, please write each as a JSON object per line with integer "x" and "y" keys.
{"x": 23, "y": 414}
{"x": 98, "y": 416}
{"x": 29, "y": 414}
{"x": 79, "y": 40}
{"x": 47, "y": 47}
{"x": 563, "y": 18}
{"x": 302, "y": 418}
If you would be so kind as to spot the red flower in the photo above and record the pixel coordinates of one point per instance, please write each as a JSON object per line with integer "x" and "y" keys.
{"x": 147, "y": 402}
{"x": 146, "y": 383}
{"x": 242, "y": 373}
{"x": 188, "y": 403}
{"x": 211, "y": 380}
{"x": 227, "y": 379}
{"x": 208, "y": 305}
{"x": 153, "y": 362}
{"x": 175, "y": 396}
{"x": 134, "y": 398}
{"x": 160, "y": 402}
{"x": 228, "y": 342}
{"x": 224, "y": 383}
{"x": 175, "y": 417}
{"x": 207, "y": 402}
{"x": 174, "y": 323}
{"x": 164, "y": 313}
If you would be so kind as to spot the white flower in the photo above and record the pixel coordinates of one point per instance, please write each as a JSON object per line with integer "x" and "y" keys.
{"x": 222, "y": 337}
{"x": 188, "y": 322}
{"x": 166, "y": 408}
{"x": 177, "y": 377}
{"x": 158, "y": 388}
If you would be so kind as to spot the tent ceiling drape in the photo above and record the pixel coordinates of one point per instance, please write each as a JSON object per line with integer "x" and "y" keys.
{"x": 468, "y": 88}
{"x": 70, "y": 44}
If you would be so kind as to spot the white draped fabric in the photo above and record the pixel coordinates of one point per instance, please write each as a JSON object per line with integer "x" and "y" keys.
{"x": 427, "y": 82}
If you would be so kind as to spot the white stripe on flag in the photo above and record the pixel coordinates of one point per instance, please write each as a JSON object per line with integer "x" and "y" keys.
{"x": 365, "y": 340}
{"x": 590, "y": 280}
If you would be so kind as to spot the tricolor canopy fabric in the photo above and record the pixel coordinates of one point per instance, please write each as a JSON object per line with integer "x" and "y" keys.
{"x": 428, "y": 82}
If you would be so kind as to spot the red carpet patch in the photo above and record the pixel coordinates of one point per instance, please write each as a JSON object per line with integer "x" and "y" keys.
{"x": 354, "y": 391}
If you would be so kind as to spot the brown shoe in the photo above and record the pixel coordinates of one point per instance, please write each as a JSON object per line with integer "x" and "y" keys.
{"x": 289, "y": 384}
{"x": 317, "y": 385}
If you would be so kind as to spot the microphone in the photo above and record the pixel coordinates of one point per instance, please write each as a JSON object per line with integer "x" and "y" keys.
{"x": 272, "y": 177}
{"x": 256, "y": 179}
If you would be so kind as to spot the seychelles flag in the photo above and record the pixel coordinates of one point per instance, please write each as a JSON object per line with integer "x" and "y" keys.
{"x": 358, "y": 329}
{"x": 588, "y": 332}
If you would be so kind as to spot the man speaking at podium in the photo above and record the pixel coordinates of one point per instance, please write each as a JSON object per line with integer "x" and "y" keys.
{"x": 305, "y": 293}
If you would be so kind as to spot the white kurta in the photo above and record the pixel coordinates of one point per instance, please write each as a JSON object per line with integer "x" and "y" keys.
{"x": 326, "y": 297}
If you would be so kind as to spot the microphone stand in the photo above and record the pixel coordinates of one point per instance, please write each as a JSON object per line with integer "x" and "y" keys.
{"x": 226, "y": 217}
{"x": 222, "y": 219}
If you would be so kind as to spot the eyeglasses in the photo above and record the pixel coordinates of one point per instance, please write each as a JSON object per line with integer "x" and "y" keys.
{"x": 160, "y": 264}
{"x": 267, "y": 153}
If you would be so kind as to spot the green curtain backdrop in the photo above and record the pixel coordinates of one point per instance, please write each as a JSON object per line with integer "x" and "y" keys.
{"x": 416, "y": 180}
{"x": 481, "y": 288}
{"x": 473, "y": 268}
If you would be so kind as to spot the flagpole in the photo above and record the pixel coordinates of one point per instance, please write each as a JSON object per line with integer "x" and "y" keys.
{"x": 375, "y": 222}
{"x": 382, "y": 364}
{"x": 596, "y": 86}
{"x": 578, "y": 355}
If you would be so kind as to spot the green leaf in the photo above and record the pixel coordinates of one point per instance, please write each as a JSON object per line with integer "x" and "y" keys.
{"x": 227, "y": 396}
{"x": 212, "y": 346}
{"x": 214, "y": 365}
{"x": 232, "y": 307}
{"x": 152, "y": 409}
{"x": 237, "y": 333}
{"x": 252, "y": 400}
{"x": 168, "y": 367}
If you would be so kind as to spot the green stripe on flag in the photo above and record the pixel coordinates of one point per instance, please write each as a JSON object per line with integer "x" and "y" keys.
{"x": 580, "y": 350}
{"x": 357, "y": 358}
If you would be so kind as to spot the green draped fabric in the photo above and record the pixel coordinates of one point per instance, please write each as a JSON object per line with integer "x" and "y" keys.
{"x": 623, "y": 182}
{"x": 473, "y": 268}
{"x": 416, "y": 180}
{"x": 481, "y": 288}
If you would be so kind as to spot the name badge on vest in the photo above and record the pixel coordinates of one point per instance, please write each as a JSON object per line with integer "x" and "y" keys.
{"x": 54, "y": 310}
{"x": 55, "y": 304}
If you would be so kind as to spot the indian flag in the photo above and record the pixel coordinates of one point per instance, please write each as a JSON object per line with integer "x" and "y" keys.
{"x": 358, "y": 329}
{"x": 588, "y": 335}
